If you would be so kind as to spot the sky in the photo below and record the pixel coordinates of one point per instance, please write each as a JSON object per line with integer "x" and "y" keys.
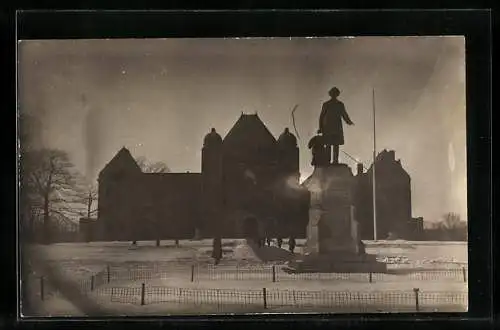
{"x": 159, "y": 97}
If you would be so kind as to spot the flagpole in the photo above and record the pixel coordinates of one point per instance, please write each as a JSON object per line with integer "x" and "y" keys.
{"x": 373, "y": 170}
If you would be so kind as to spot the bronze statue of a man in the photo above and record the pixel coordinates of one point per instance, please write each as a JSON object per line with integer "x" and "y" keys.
{"x": 330, "y": 124}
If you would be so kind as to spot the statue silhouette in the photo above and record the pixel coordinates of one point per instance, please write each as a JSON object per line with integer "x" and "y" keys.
{"x": 320, "y": 156}
{"x": 330, "y": 124}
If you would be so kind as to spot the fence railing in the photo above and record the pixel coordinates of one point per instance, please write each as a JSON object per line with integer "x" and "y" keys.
{"x": 274, "y": 273}
{"x": 99, "y": 285}
{"x": 411, "y": 300}
{"x": 271, "y": 273}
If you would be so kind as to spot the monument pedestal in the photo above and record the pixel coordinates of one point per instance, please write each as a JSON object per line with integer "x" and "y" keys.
{"x": 333, "y": 244}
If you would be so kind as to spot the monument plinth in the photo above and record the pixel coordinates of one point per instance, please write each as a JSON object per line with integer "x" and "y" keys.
{"x": 333, "y": 244}
{"x": 331, "y": 214}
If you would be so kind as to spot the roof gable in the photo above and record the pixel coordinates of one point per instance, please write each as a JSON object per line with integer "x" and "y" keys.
{"x": 121, "y": 162}
{"x": 387, "y": 162}
{"x": 249, "y": 131}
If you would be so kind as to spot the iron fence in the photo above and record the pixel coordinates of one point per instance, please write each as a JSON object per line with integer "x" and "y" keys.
{"x": 269, "y": 273}
{"x": 100, "y": 285}
{"x": 274, "y": 273}
{"x": 276, "y": 299}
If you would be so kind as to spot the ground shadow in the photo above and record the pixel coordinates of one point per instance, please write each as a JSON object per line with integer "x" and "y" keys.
{"x": 270, "y": 253}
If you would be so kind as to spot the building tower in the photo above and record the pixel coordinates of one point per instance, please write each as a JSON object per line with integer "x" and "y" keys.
{"x": 249, "y": 175}
{"x": 116, "y": 181}
{"x": 293, "y": 200}
{"x": 212, "y": 193}
{"x": 288, "y": 155}
{"x": 393, "y": 198}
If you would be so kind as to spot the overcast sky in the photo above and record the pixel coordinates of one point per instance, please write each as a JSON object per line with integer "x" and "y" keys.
{"x": 159, "y": 97}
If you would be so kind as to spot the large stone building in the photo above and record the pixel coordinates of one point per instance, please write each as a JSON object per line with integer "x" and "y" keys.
{"x": 133, "y": 205}
{"x": 393, "y": 199}
{"x": 248, "y": 186}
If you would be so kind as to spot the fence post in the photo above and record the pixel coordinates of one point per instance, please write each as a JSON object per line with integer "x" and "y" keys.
{"x": 464, "y": 272}
{"x": 417, "y": 306}
{"x": 274, "y": 273}
{"x": 42, "y": 293}
{"x": 92, "y": 279}
{"x": 108, "y": 273}
{"x": 143, "y": 294}
{"x": 371, "y": 279}
{"x": 192, "y": 273}
{"x": 265, "y": 297}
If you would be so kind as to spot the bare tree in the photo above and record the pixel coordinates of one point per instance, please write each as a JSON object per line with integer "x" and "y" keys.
{"x": 451, "y": 221}
{"x": 29, "y": 134}
{"x": 49, "y": 181}
{"x": 449, "y": 228}
{"x": 90, "y": 199}
{"x": 85, "y": 196}
{"x": 151, "y": 167}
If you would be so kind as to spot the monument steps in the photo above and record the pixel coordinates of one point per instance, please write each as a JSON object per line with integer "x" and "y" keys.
{"x": 270, "y": 253}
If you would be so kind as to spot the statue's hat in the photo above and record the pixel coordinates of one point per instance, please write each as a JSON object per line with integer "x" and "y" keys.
{"x": 334, "y": 91}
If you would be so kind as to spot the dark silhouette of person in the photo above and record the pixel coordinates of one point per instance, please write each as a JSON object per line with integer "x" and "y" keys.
{"x": 291, "y": 244}
{"x": 361, "y": 248}
{"x": 319, "y": 151}
{"x": 260, "y": 242}
{"x": 330, "y": 123}
{"x": 217, "y": 250}
{"x": 280, "y": 242}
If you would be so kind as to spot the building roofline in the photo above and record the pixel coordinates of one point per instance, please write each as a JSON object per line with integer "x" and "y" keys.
{"x": 122, "y": 151}
{"x": 238, "y": 122}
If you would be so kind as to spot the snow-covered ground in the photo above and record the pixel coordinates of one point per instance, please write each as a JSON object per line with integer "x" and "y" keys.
{"x": 80, "y": 260}
{"x": 426, "y": 254}
{"x": 190, "y": 250}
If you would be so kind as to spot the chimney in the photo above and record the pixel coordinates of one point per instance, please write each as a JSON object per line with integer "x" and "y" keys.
{"x": 360, "y": 169}
{"x": 392, "y": 155}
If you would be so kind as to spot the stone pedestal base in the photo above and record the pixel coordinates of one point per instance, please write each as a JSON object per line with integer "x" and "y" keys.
{"x": 332, "y": 226}
{"x": 332, "y": 232}
{"x": 344, "y": 263}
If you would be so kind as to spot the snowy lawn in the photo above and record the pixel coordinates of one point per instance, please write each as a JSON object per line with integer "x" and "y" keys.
{"x": 81, "y": 260}
{"x": 85, "y": 258}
